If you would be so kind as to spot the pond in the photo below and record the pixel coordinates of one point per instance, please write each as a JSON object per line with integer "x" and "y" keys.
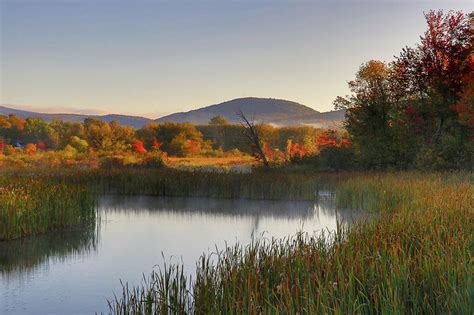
{"x": 76, "y": 271}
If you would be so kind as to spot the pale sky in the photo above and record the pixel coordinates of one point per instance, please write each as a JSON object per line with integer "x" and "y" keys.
{"x": 155, "y": 57}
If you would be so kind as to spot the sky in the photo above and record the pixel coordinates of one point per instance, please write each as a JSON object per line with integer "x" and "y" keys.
{"x": 152, "y": 58}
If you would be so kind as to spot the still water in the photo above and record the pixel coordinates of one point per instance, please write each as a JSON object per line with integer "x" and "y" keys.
{"x": 76, "y": 271}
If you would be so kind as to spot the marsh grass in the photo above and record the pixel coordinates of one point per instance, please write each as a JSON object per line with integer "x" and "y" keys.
{"x": 273, "y": 184}
{"x": 415, "y": 256}
{"x": 41, "y": 200}
{"x": 30, "y": 205}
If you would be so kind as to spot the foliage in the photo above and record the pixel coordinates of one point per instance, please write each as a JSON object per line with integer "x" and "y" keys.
{"x": 416, "y": 111}
{"x": 138, "y": 146}
{"x": 218, "y": 120}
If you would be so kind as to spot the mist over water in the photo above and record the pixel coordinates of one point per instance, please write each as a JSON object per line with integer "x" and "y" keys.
{"x": 76, "y": 271}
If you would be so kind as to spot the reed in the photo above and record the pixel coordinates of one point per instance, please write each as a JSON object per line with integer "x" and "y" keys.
{"x": 414, "y": 256}
{"x": 31, "y": 205}
{"x": 260, "y": 184}
{"x": 41, "y": 200}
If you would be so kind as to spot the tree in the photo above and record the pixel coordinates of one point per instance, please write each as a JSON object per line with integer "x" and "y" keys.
{"x": 416, "y": 110}
{"x": 369, "y": 111}
{"x": 156, "y": 145}
{"x": 41, "y": 145}
{"x": 17, "y": 127}
{"x": 218, "y": 120}
{"x": 99, "y": 134}
{"x": 30, "y": 149}
{"x": 80, "y": 145}
{"x": 432, "y": 73}
{"x": 139, "y": 147}
{"x": 171, "y": 136}
{"x": 35, "y": 129}
{"x": 253, "y": 133}
{"x": 122, "y": 136}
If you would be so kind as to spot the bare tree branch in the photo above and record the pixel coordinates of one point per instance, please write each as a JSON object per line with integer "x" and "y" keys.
{"x": 252, "y": 132}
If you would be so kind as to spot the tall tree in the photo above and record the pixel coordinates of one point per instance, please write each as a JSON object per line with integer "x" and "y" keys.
{"x": 368, "y": 114}
{"x": 433, "y": 71}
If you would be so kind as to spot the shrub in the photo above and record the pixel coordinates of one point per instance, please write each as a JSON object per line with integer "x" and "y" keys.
{"x": 154, "y": 160}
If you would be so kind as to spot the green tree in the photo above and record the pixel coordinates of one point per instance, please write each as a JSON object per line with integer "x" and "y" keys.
{"x": 369, "y": 111}
{"x": 167, "y": 132}
{"x": 79, "y": 144}
{"x": 35, "y": 129}
{"x": 123, "y": 137}
{"x": 99, "y": 134}
{"x": 218, "y": 120}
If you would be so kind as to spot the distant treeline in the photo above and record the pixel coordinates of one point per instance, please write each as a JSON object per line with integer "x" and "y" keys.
{"x": 177, "y": 139}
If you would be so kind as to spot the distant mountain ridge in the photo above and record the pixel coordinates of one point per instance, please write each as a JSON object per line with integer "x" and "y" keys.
{"x": 268, "y": 110}
{"x": 277, "y": 112}
{"x": 126, "y": 120}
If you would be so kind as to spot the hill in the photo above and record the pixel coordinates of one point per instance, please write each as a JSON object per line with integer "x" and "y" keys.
{"x": 133, "y": 121}
{"x": 268, "y": 110}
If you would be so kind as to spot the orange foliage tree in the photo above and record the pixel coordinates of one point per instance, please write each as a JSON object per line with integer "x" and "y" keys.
{"x": 30, "y": 149}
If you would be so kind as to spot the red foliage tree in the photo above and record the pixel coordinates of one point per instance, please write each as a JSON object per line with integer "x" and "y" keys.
{"x": 435, "y": 71}
{"x": 465, "y": 106}
{"x": 41, "y": 145}
{"x": 155, "y": 144}
{"x": 139, "y": 147}
{"x": 331, "y": 138}
{"x": 192, "y": 147}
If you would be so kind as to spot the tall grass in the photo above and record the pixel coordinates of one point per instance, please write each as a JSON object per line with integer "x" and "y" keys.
{"x": 41, "y": 200}
{"x": 30, "y": 205}
{"x": 260, "y": 184}
{"x": 415, "y": 256}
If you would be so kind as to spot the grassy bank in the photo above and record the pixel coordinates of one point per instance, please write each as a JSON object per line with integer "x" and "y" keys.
{"x": 414, "y": 257}
{"x": 41, "y": 200}
{"x": 260, "y": 184}
{"x": 32, "y": 205}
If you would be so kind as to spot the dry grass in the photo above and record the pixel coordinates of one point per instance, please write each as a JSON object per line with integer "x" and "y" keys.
{"x": 210, "y": 161}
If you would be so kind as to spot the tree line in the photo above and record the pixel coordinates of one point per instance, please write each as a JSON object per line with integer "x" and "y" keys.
{"x": 175, "y": 139}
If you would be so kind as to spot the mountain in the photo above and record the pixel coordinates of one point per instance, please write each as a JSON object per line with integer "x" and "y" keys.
{"x": 133, "y": 121}
{"x": 268, "y": 110}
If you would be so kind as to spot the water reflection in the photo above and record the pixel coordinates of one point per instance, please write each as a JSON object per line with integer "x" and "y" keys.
{"x": 23, "y": 256}
{"x": 261, "y": 216}
{"x": 76, "y": 271}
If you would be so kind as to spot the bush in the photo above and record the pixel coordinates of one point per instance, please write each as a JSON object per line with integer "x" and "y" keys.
{"x": 154, "y": 160}
{"x": 337, "y": 158}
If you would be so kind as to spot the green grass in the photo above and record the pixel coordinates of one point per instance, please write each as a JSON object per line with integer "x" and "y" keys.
{"x": 415, "y": 256}
{"x": 42, "y": 200}
{"x": 261, "y": 184}
{"x": 30, "y": 205}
